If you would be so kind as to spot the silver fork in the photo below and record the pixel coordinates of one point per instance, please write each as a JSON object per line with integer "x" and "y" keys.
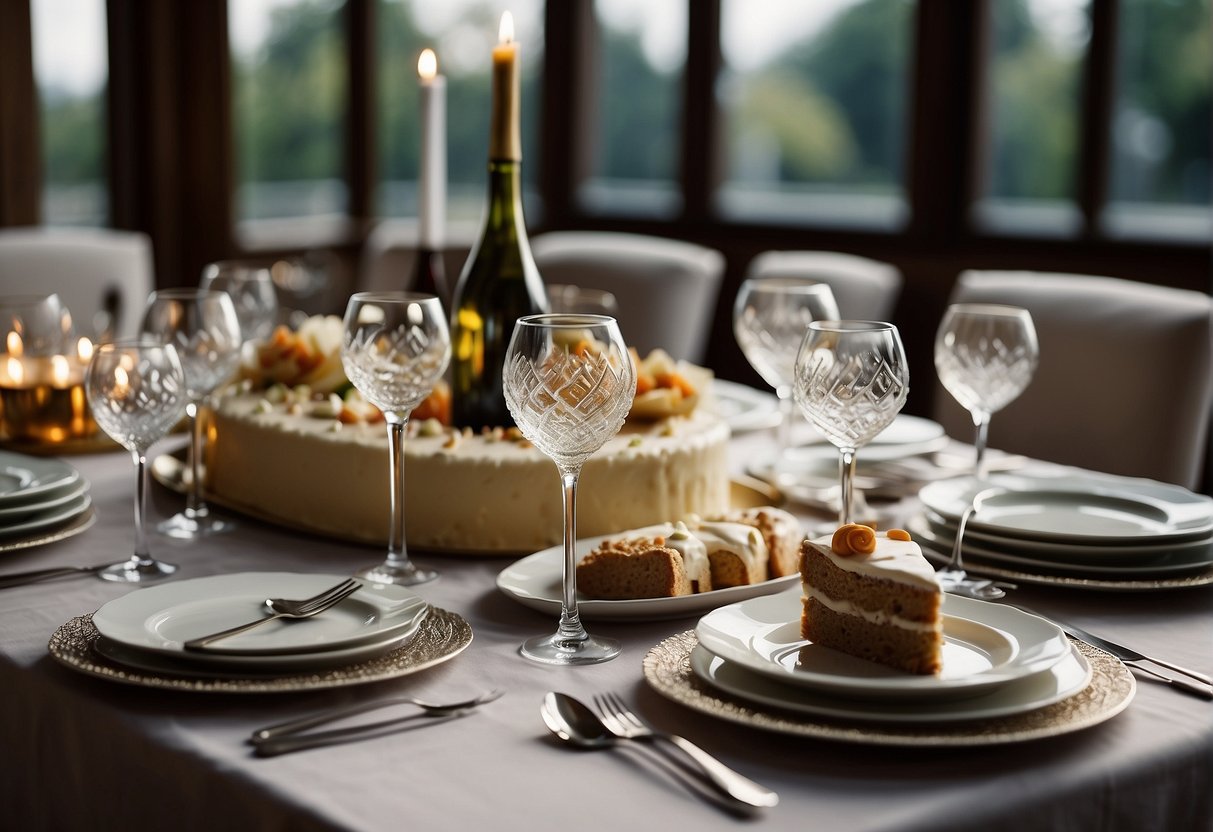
{"x": 622, "y": 722}
{"x": 285, "y": 608}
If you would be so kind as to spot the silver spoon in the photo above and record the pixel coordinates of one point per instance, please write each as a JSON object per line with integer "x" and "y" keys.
{"x": 573, "y": 721}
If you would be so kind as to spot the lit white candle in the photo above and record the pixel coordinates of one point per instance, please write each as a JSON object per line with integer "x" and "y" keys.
{"x": 432, "y": 195}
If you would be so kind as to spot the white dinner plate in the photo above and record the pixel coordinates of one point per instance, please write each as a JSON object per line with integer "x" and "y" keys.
{"x": 1076, "y": 508}
{"x": 743, "y": 407}
{"x": 905, "y": 436}
{"x": 24, "y": 478}
{"x": 1160, "y": 566}
{"x": 48, "y": 518}
{"x": 204, "y": 665}
{"x": 985, "y": 646}
{"x": 1065, "y": 678}
{"x": 1094, "y": 552}
{"x": 160, "y": 618}
{"x": 535, "y": 581}
{"x": 54, "y": 498}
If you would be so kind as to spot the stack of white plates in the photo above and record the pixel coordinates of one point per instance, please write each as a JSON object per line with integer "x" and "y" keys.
{"x": 997, "y": 661}
{"x": 38, "y": 495}
{"x": 1082, "y": 525}
{"x": 146, "y": 629}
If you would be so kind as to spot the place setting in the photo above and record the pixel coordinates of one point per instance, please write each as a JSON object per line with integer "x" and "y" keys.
{"x": 921, "y": 666}
{"x": 268, "y": 632}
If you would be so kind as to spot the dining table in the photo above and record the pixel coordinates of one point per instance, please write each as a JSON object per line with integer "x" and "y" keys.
{"x": 78, "y": 752}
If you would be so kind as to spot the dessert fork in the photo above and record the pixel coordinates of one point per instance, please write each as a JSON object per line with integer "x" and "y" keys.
{"x": 623, "y": 723}
{"x": 285, "y": 608}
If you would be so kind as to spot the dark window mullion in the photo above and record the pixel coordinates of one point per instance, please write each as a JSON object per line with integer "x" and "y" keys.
{"x": 1097, "y": 97}
{"x": 361, "y": 137}
{"x": 702, "y": 161}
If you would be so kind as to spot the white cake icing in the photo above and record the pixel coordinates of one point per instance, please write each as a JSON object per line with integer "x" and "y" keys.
{"x": 873, "y": 616}
{"x": 463, "y": 492}
{"x": 894, "y": 560}
{"x": 744, "y": 541}
{"x": 679, "y": 538}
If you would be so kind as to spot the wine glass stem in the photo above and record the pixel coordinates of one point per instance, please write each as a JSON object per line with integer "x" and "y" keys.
{"x": 193, "y": 502}
{"x": 787, "y": 411}
{"x": 142, "y": 554}
{"x": 570, "y": 621}
{"x": 397, "y": 549}
{"x": 847, "y": 465}
{"x": 982, "y": 421}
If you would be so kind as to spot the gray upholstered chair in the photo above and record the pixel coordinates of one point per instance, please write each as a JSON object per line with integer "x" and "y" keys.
{"x": 103, "y": 276}
{"x": 667, "y": 289}
{"x": 866, "y": 290}
{"x": 1124, "y": 380}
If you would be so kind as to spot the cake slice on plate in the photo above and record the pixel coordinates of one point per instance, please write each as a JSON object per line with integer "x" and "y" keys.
{"x": 873, "y": 596}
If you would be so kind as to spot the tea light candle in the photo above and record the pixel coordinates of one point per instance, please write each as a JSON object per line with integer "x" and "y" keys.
{"x": 42, "y": 397}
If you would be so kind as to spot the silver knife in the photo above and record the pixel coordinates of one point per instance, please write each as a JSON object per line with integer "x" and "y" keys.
{"x": 36, "y": 575}
{"x": 1125, "y": 654}
{"x": 299, "y": 742}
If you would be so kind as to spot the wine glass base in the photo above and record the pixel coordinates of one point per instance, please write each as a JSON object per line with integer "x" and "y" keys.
{"x": 389, "y": 573}
{"x": 556, "y": 649}
{"x": 137, "y": 571}
{"x": 957, "y": 582}
{"x": 185, "y": 527}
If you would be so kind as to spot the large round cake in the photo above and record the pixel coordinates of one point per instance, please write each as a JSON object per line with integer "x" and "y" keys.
{"x": 293, "y": 455}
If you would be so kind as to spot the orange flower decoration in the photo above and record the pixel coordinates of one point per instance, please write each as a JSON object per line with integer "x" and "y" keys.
{"x": 898, "y": 534}
{"x": 854, "y": 539}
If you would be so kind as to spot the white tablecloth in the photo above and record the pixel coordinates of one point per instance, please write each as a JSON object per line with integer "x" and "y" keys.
{"x": 82, "y": 753}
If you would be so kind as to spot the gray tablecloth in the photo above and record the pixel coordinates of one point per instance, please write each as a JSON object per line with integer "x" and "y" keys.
{"x": 82, "y": 753}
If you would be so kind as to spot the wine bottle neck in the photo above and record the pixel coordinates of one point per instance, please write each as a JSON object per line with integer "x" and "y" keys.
{"x": 505, "y": 193}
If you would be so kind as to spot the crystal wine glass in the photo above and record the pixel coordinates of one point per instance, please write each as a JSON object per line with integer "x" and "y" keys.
{"x": 253, "y": 294}
{"x": 569, "y": 384}
{"x": 137, "y": 392}
{"x": 770, "y": 317}
{"x": 395, "y": 349}
{"x": 203, "y": 326}
{"x": 851, "y": 382}
{"x": 985, "y": 355}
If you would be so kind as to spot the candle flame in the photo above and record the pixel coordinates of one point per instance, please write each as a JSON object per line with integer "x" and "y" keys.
{"x": 59, "y": 370}
{"x": 84, "y": 349}
{"x": 427, "y": 64}
{"x": 15, "y": 345}
{"x": 121, "y": 382}
{"x": 16, "y": 371}
{"x": 505, "y": 34}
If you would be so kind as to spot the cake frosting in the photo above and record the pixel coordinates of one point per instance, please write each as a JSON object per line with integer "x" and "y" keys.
{"x": 874, "y": 596}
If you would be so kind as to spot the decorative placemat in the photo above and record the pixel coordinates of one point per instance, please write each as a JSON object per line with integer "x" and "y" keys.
{"x": 442, "y": 636}
{"x": 42, "y": 537}
{"x": 667, "y": 668}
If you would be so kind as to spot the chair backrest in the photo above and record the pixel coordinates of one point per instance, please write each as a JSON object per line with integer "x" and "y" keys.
{"x": 667, "y": 289}
{"x": 1124, "y": 379}
{"x": 866, "y": 290}
{"x": 101, "y": 275}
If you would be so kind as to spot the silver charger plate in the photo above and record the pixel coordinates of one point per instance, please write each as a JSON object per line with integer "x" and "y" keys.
{"x": 442, "y": 636}
{"x": 667, "y": 669}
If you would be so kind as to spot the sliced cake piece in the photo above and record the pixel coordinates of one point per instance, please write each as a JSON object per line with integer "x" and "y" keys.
{"x": 781, "y": 531}
{"x": 737, "y": 553}
{"x": 654, "y": 562}
{"x": 873, "y": 596}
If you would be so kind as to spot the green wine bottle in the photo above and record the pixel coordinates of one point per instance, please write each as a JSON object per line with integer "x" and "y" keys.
{"x": 500, "y": 282}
